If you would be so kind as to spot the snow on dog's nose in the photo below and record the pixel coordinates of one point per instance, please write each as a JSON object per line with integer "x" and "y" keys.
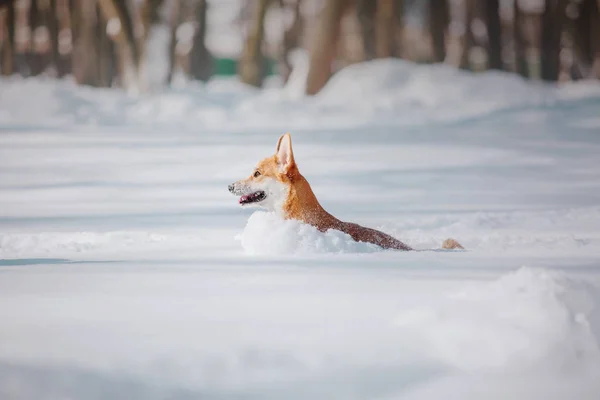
{"x": 239, "y": 188}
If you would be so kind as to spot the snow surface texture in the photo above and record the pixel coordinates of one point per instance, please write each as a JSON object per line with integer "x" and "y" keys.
{"x": 267, "y": 234}
{"x": 127, "y": 270}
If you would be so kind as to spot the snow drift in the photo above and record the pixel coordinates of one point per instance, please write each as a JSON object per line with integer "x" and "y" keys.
{"x": 379, "y": 92}
{"x": 121, "y": 274}
{"x": 528, "y": 318}
{"x": 266, "y": 233}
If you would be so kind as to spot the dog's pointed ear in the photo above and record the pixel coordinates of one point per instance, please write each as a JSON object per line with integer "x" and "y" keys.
{"x": 284, "y": 153}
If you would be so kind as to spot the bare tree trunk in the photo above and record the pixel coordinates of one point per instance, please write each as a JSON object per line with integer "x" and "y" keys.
{"x": 593, "y": 47}
{"x": 85, "y": 48}
{"x": 53, "y": 31}
{"x": 7, "y": 52}
{"x": 552, "y": 25}
{"x": 35, "y": 59}
{"x": 468, "y": 40}
{"x": 438, "y": 25}
{"x": 251, "y": 63}
{"x": 175, "y": 19}
{"x": 63, "y": 16}
{"x": 141, "y": 18}
{"x": 494, "y": 48}
{"x": 291, "y": 40}
{"x": 582, "y": 35}
{"x": 595, "y": 38}
{"x": 578, "y": 67}
{"x": 519, "y": 42}
{"x": 399, "y": 27}
{"x": 324, "y": 44}
{"x": 149, "y": 15}
{"x": 200, "y": 58}
{"x": 74, "y": 21}
{"x": 388, "y": 22}
{"x": 106, "y": 61}
{"x": 585, "y": 33}
{"x": 130, "y": 22}
{"x": 47, "y": 22}
{"x": 366, "y": 10}
{"x": 117, "y": 16}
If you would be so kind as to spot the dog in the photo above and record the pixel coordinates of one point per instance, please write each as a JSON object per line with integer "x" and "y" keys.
{"x": 277, "y": 185}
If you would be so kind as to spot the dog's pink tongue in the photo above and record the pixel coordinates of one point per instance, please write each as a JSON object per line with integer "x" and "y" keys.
{"x": 243, "y": 199}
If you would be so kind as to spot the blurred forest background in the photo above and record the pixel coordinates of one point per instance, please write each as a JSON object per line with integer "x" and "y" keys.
{"x": 123, "y": 43}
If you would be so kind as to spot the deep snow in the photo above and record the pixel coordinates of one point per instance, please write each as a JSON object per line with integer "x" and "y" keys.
{"x": 128, "y": 271}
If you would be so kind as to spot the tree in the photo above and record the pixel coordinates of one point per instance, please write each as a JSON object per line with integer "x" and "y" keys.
{"x": 200, "y": 57}
{"x": 595, "y": 37}
{"x": 74, "y": 24}
{"x": 552, "y": 26}
{"x": 107, "y": 70}
{"x": 120, "y": 29}
{"x": 149, "y": 15}
{"x": 388, "y": 27}
{"x": 366, "y": 10}
{"x": 586, "y": 36}
{"x": 175, "y": 19}
{"x": 35, "y": 59}
{"x": 494, "y": 33}
{"x": 468, "y": 40}
{"x": 53, "y": 33}
{"x": 291, "y": 40}
{"x": 85, "y": 20}
{"x": 324, "y": 44}
{"x": 143, "y": 19}
{"x": 519, "y": 41}
{"x": 251, "y": 66}
{"x": 7, "y": 51}
{"x": 438, "y": 26}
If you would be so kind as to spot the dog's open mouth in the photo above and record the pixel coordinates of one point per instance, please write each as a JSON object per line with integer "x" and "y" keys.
{"x": 253, "y": 197}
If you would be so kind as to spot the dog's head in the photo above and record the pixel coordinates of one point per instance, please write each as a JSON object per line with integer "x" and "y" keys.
{"x": 269, "y": 183}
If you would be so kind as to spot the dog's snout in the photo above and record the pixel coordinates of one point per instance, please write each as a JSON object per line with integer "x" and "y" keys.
{"x": 231, "y": 187}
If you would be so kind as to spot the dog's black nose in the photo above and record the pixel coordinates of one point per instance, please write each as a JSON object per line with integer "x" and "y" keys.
{"x": 230, "y": 187}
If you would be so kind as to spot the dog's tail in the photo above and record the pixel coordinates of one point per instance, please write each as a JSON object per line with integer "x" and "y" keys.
{"x": 451, "y": 244}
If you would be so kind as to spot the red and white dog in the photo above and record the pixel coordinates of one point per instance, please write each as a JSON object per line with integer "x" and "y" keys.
{"x": 277, "y": 185}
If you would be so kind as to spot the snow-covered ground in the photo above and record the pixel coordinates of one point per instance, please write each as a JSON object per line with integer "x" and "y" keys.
{"x": 127, "y": 270}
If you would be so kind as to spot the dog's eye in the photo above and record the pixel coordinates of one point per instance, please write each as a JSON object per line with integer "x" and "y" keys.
{"x": 256, "y": 174}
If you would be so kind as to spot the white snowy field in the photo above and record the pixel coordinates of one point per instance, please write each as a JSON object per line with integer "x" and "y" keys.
{"x": 127, "y": 270}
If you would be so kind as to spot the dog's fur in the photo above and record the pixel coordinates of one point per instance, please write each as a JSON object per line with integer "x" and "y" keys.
{"x": 277, "y": 185}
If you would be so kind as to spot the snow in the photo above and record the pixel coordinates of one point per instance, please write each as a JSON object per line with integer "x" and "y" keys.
{"x": 543, "y": 312}
{"x": 127, "y": 270}
{"x": 224, "y": 35}
{"x": 113, "y": 26}
{"x": 267, "y": 234}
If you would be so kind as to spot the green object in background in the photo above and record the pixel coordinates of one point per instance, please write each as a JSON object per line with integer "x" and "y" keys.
{"x": 225, "y": 66}
{"x": 228, "y": 66}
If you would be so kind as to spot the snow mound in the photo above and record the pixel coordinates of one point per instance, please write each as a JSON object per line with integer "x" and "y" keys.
{"x": 386, "y": 92}
{"x": 529, "y": 317}
{"x": 267, "y": 234}
{"x": 295, "y": 87}
{"x": 418, "y": 94}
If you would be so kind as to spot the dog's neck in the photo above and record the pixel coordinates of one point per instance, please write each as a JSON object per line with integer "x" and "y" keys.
{"x": 302, "y": 204}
